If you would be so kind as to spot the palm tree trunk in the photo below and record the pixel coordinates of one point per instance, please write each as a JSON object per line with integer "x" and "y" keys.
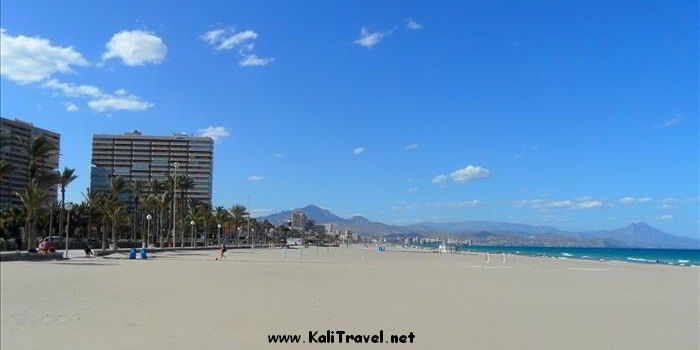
{"x": 114, "y": 235}
{"x": 104, "y": 235}
{"x": 50, "y": 220}
{"x": 28, "y": 232}
{"x": 60, "y": 216}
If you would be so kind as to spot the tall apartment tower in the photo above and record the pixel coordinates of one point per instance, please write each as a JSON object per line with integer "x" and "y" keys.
{"x": 16, "y": 135}
{"x": 139, "y": 157}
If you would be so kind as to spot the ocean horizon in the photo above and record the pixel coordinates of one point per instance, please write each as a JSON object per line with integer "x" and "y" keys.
{"x": 680, "y": 257}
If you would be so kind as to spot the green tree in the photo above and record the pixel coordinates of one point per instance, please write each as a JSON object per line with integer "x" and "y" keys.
{"x": 64, "y": 179}
{"x": 238, "y": 212}
{"x": 32, "y": 198}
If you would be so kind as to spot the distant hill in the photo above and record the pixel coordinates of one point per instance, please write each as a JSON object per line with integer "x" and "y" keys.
{"x": 637, "y": 235}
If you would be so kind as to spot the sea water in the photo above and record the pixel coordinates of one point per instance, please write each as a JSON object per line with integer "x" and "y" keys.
{"x": 685, "y": 257}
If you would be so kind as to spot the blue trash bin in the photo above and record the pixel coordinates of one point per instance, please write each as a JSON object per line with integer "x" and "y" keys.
{"x": 132, "y": 253}
{"x": 144, "y": 253}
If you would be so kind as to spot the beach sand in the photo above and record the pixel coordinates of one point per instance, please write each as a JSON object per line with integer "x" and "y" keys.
{"x": 188, "y": 300}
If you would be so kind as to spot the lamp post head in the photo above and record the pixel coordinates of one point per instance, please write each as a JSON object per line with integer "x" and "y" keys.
{"x": 219, "y": 225}
{"x": 69, "y": 206}
{"x": 149, "y": 217}
{"x": 192, "y": 222}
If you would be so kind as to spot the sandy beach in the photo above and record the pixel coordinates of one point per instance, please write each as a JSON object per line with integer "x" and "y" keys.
{"x": 188, "y": 300}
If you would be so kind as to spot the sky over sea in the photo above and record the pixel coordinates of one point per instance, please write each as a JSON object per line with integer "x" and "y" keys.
{"x": 577, "y": 115}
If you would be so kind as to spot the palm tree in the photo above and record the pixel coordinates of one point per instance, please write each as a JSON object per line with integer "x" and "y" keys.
{"x": 37, "y": 149}
{"x": 64, "y": 179}
{"x": 184, "y": 184}
{"x": 90, "y": 198}
{"x": 102, "y": 203}
{"x": 237, "y": 213}
{"x": 204, "y": 216}
{"x": 117, "y": 186}
{"x": 163, "y": 206}
{"x": 32, "y": 198}
{"x": 221, "y": 216}
{"x": 136, "y": 189}
{"x": 5, "y": 167}
{"x": 115, "y": 211}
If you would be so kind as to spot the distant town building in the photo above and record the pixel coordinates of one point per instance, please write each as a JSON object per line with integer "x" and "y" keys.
{"x": 139, "y": 157}
{"x": 299, "y": 220}
{"x": 329, "y": 229}
{"x": 16, "y": 135}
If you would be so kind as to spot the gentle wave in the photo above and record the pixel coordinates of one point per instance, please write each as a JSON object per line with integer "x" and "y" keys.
{"x": 638, "y": 259}
{"x": 566, "y": 254}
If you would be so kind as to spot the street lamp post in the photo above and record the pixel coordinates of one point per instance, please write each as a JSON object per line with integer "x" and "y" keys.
{"x": 69, "y": 207}
{"x": 193, "y": 239}
{"x": 218, "y": 237}
{"x": 176, "y": 164}
{"x": 148, "y": 232}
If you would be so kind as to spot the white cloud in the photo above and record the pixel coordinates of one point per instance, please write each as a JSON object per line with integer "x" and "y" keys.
{"x": 227, "y": 39}
{"x": 470, "y": 172}
{"x": 412, "y": 146}
{"x": 277, "y": 155}
{"x": 119, "y": 102}
{"x": 253, "y": 60}
{"x": 630, "y": 200}
{"x": 413, "y": 190}
{"x": 213, "y": 36}
{"x": 215, "y": 132}
{"x": 255, "y": 178}
{"x": 72, "y": 90}
{"x": 71, "y": 107}
{"x": 359, "y": 150}
{"x": 30, "y": 59}
{"x": 668, "y": 123}
{"x": 665, "y": 217}
{"x": 369, "y": 39}
{"x": 439, "y": 178}
{"x": 586, "y": 202}
{"x": 413, "y": 25}
{"x": 437, "y": 205}
{"x": 136, "y": 48}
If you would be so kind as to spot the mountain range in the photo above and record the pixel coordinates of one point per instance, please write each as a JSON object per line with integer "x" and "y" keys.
{"x": 634, "y": 235}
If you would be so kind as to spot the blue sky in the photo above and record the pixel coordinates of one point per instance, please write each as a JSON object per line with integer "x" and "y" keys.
{"x": 574, "y": 115}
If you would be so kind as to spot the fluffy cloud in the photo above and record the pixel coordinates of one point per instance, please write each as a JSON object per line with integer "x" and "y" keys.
{"x": 120, "y": 101}
{"x": 412, "y": 146}
{"x": 255, "y": 178}
{"x": 578, "y": 203}
{"x": 227, "y": 39}
{"x": 630, "y": 200}
{"x": 136, "y": 48}
{"x": 253, "y": 60}
{"x": 30, "y": 59}
{"x": 215, "y": 132}
{"x": 277, "y": 155}
{"x": 71, "y": 107}
{"x": 369, "y": 39}
{"x": 72, "y": 90}
{"x": 359, "y": 150}
{"x": 413, "y": 25}
{"x": 437, "y": 179}
{"x": 470, "y": 172}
